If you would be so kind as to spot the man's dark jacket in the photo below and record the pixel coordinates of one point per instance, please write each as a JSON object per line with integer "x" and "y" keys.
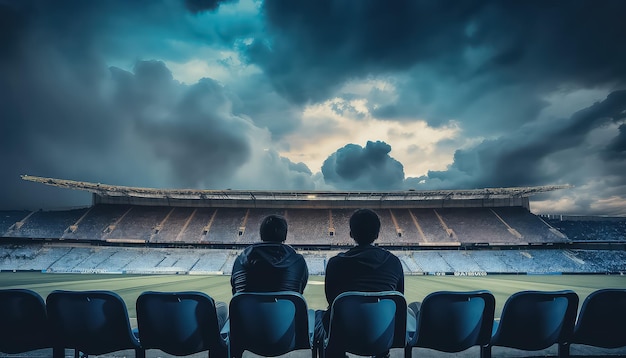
{"x": 362, "y": 268}
{"x": 268, "y": 266}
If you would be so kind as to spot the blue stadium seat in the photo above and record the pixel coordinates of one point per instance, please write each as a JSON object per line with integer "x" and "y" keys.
{"x": 23, "y": 322}
{"x": 365, "y": 324}
{"x": 269, "y": 323}
{"x": 453, "y": 321}
{"x": 179, "y": 323}
{"x": 534, "y": 320}
{"x": 91, "y": 322}
{"x": 602, "y": 320}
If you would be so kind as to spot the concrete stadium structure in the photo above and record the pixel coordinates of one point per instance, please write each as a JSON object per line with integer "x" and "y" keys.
{"x": 143, "y": 230}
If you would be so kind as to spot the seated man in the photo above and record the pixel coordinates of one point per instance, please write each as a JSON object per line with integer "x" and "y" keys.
{"x": 270, "y": 265}
{"x": 364, "y": 267}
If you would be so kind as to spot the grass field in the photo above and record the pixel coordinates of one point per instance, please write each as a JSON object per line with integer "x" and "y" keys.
{"x": 129, "y": 287}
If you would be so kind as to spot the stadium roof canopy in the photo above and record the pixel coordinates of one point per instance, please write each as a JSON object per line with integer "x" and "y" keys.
{"x": 104, "y": 193}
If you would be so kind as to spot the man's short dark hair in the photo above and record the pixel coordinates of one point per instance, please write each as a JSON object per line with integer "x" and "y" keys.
{"x": 274, "y": 229}
{"x": 364, "y": 226}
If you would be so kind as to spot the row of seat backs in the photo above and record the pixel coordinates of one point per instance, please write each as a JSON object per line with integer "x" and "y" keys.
{"x": 530, "y": 320}
{"x": 185, "y": 322}
{"x": 96, "y": 322}
{"x": 178, "y": 323}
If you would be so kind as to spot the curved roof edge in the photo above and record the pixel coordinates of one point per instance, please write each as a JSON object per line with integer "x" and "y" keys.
{"x": 105, "y": 190}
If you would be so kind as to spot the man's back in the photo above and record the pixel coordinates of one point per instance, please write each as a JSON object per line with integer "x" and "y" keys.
{"x": 363, "y": 268}
{"x": 269, "y": 266}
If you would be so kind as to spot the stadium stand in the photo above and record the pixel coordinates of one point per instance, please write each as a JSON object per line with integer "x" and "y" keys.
{"x": 492, "y": 261}
{"x": 45, "y": 224}
{"x": 97, "y": 256}
{"x": 137, "y": 224}
{"x": 408, "y": 230}
{"x": 224, "y": 227}
{"x": 476, "y": 225}
{"x": 151, "y": 231}
{"x": 430, "y": 224}
{"x": 172, "y": 225}
{"x": 602, "y": 260}
{"x": 589, "y": 228}
{"x": 159, "y": 225}
{"x": 196, "y": 226}
{"x": 316, "y": 262}
{"x": 389, "y": 234}
{"x": 528, "y": 225}
{"x": 341, "y": 227}
{"x": 119, "y": 260}
{"x": 461, "y": 261}
{"x": 146, "y": 260}
{"x": 309, "y": 225}
{"x": 483, "y": 230}
{"x": 431, "y": 261}
{"x": 177, "y": 260}
{"x": 9, "y": 218}
{"x": 99, "y": 220}
{"x": 211, "y": 261}
{"x": 408, "y": 264}
{"x": 227, "y": 267}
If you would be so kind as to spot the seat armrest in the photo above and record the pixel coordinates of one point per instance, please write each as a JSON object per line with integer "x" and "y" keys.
{"x": 225, "y": 332}
{"x": 311, "y": 318}
{"x": 411, "y": 327}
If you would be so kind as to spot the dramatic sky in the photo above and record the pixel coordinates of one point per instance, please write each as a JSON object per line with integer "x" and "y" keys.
{"x": 315, "y": 94}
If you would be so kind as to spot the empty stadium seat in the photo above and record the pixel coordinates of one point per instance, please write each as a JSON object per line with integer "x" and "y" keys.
{"x": 453, "y": 321}
{"x": 92, "y": 322}
{"x": 23, "y": 322}
{"x": 365, "y": 324}
{"x": 179, "y": 323}
{"x": 534, "y": 320}
{"x": 269, "y": 323}
{"x": 602, "y": 320}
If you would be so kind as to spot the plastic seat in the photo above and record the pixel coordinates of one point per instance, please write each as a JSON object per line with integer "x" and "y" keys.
{"x": 534, "y": 320}
{"x": 453, "y": 321}
{"x": 602, "y": 320}
{"x": 269, "y": 323}
{"x": 92, "y": 322}
{"x": 179, "y": 323}
{"x": 23, "y": 321}
{"x": 365, "y": 324}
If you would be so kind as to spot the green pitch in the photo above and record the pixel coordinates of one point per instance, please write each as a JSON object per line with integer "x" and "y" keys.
{"x": 129, "y": 287}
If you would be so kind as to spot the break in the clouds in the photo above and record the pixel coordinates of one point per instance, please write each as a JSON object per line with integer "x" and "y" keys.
{"x": 324, "y": 94}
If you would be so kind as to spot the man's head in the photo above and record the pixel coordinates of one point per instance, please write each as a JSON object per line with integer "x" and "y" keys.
{"x": 273, "y": 229}
{"x": 364, "y": 226}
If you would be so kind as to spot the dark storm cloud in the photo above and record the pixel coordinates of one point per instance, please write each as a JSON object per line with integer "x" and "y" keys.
{"x": 268, "y": 170}
{"x": 353, "y": 167}
{"x": 317, "y": 45}
{"x": 461, "y": 56}
{"x": 616, "y": 149}
{"x": 189, "y": 127}
{"x": 50, "y": 108}
{"x": 73, "y": 106}
{"x": 542, "y": 153}
{"x": 196, "y": 6}
{"x": 66, "y": 114}
{"x": 257, "y": 99}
